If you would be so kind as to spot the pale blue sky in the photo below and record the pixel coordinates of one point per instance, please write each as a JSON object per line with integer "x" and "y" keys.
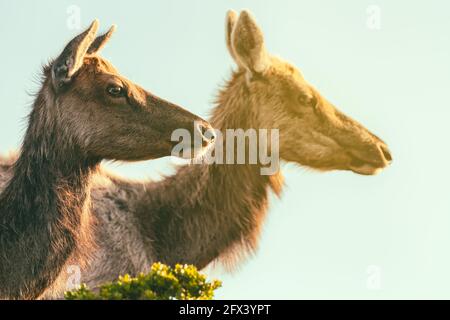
{"x": 327, "y": 229}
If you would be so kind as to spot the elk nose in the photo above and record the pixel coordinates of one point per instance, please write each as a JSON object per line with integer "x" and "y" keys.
{"x": 206, "y": 133}
{"x": 376, "y": 155}
{"x": 386, "y": 153}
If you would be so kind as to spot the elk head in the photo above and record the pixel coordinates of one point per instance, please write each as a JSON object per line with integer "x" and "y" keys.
{"x": 107, "y": 115}
{"x": 313, "y": 132}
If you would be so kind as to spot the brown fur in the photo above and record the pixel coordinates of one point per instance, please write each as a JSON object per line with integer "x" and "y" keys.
{"x": 75, "y": 122}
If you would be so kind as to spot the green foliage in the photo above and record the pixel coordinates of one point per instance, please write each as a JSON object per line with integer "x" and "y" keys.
{"x": 161, "y": 283}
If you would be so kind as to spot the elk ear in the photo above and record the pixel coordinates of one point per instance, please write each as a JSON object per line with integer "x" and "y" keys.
{"x": 71, "y": 59}
{"x": 248, "y": 44}
{"x": 100, "y": 41}
{"x": 230, "y": 23}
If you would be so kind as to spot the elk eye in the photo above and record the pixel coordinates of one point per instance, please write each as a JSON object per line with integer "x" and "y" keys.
{"x": 314, "y": 101}
{"x": 303, "y": 99}
{"x": 116, "y": 91}
{"x": 307, "y": 101}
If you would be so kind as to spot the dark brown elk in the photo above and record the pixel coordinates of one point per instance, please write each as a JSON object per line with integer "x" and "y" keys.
{"x": 84, "y": 112}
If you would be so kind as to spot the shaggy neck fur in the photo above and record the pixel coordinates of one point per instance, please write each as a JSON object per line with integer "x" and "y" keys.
{"x": 209, "y": 211}
{"x": 44, "y": 207}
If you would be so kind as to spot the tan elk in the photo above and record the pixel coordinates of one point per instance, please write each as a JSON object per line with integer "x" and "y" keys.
{"x": 206, "y": 212}
{"x": 84, "y": 112}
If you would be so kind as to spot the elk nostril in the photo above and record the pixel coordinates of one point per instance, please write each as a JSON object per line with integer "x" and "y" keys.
{"x": 387, "y": 155}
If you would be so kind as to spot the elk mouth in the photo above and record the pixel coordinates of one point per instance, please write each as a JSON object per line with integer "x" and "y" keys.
{"x": 364, "y": 168}
{"x": 367, "y": 168}
{"x": 369, "y": 161}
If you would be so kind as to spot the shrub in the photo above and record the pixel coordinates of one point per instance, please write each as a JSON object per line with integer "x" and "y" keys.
{"x": 183, "y": 282}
